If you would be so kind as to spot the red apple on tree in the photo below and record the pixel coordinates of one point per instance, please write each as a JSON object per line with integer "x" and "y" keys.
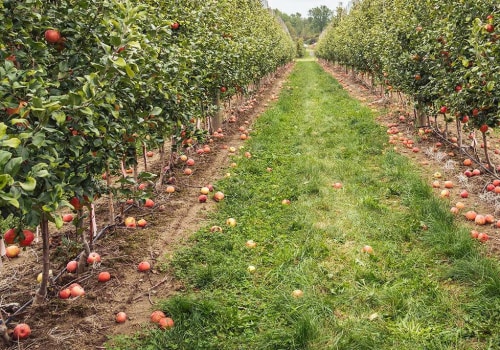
{"x": 52, "y": 36}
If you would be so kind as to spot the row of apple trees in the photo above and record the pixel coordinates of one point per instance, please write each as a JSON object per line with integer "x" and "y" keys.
{"x": 83, "y": 81}
{"x": 443, "y": 55}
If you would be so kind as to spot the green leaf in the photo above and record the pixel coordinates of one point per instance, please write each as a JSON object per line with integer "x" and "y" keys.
{"x": 29, "y": 185}
{"x": 58, "y": 221}
{"x": 13, "y": 166}
{"x": 9, "y": 199}
{"x": 59, "y": 117}
{"x": 129, "y": 71}
{"x": 4, "y": 157}
{"x": 13, "y": 142}
{"x": 3, "y": 129}
{"x": 120, "y": 62}
{"x": 5, "y": 179}
{"x": 156, "y": 111}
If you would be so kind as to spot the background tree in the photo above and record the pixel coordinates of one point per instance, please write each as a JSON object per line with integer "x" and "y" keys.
{"x": 320, "y": 17}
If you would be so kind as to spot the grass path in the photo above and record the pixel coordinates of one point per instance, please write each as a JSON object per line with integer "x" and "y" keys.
{"x": 420, "y": 289}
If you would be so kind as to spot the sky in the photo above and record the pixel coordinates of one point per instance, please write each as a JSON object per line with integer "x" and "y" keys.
{"x": 303, "y": 6}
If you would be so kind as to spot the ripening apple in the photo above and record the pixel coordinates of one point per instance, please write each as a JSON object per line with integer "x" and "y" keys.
{"x": 183, "y": 157}
{"x": 72, "y": 266}
{"x": 251, "y": 268}
{"x": 104, "y": 276}
{"x": 67, "y": 217}
{"x": 156, "y": 316}
{"x": 121, "y": 317}
{"x": 170, "y": 189}
{"x": 297, "y": 293}
{"x": 65, "y": 293}
{"x": 204, "y": 190}
{"x": 93, "y": 258}
{"x": 250, "y": 244}
{"x": 77, "y": 291}
{"x": 218, "y": 196}
{"x": 52, "y": 36}
{"x": 166, "y": 323}
{"x": 142, "y": 223}
{"x": 231, "y": 222}
{"x": 12, "y": 251}
{"x": 144, "y": 266}
{"x": 130, "y": 222}
{"x": 21, "y": 331}
{"x": 285, "y": 202}
{"x": 367, "y": 249}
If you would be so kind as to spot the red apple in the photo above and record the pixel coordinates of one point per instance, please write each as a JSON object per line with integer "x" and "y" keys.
{"x": 144, "y": 266}
{"x": 65, "y": 293}
{"x": 156, "y": 316}
{"x": 121, "y": 317}
{"x": 130, "y": 222}
{"x": 149, "y": 153}
{"x": 52, "y": 36}
{"x": 93, "y": 258}
{"x": 166, "y": 323}
{"x": 202, "y": 198}
{"x": 464, "y": 194}
{"x": 104, "y": 276}
{"x": 190, "y": 162}
{"x": 21, "y": 331}
{"x": 72, "y": 266}
{"x": 149, "y": 203}
{"x": 218, "y": 196}
{"x": 142, "y": 223}
{"x": 77, "y": 291}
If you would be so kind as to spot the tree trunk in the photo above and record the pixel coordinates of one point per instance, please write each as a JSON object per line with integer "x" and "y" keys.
{"x": 216, "y": 121}
{"x": 42, "y": 291}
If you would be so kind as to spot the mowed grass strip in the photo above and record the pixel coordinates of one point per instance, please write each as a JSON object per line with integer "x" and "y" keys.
{"x": 420, "y": 289}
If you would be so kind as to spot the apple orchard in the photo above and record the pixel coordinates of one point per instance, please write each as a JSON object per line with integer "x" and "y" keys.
{"x": 90, "y": 87}
{"x": 440, "y": 56}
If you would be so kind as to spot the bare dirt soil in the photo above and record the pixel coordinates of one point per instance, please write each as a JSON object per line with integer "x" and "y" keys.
{"x": 86, "y": 322}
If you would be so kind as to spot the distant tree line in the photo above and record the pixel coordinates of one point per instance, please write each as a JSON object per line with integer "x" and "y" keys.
{"x": 306, "y": 30}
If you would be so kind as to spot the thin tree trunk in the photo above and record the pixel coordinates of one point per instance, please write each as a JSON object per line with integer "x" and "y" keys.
{"x": 486, "y": 155}
{"x": 42, "y": 290}
{"x": 144, "y": 157}
{"x": 111, "y": 207}
{"x": 159, "y": 184}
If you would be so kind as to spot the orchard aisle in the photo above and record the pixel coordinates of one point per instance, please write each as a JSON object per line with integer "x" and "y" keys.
{"x": 327, "y": 249}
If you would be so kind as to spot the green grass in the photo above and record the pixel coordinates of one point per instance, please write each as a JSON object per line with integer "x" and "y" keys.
{"x": 421, "y": 289}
